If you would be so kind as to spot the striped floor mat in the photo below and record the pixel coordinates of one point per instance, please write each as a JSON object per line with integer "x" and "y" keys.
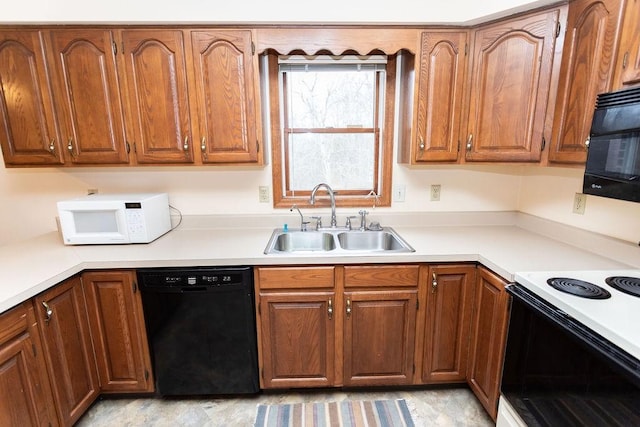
{"x": 362, "y": 413}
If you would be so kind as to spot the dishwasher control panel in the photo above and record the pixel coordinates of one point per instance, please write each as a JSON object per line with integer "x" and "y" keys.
{"x": 217, "y": 277}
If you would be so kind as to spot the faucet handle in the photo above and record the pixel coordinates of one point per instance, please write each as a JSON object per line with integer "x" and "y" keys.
{"x": 318, "y": 222}
{"x": 348, "y": 224}
{"x": 363, "y": 219}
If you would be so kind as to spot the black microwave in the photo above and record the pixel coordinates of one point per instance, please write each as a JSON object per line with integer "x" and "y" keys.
{"x": 613, "y": 159}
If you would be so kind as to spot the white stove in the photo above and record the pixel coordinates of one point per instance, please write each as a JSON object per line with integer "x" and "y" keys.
{"x": 615, "y": 318}
{"x": 572, "y": 359}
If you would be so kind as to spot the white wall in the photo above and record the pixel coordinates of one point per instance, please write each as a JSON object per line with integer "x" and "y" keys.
{"x": 549, "y": 193}
{"x": 373, "y": 11}
{"x": 29, "y": 196}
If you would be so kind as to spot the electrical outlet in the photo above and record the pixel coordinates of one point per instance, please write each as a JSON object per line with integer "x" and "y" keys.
{"x": 264, "y": 195}
{"x": 435, "y": 192}
{"x": 399, "y": 193}
{"x": 579, "y": 203}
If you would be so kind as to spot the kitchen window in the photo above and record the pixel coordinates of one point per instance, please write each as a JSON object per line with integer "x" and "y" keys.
{"x": 333, "y": 124}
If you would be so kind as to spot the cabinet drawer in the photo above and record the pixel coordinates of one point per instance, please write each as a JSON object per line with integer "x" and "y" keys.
{"x": 373, "y": 275}
{"x": 295, "y": 277}
{"x": 13, "y": 322}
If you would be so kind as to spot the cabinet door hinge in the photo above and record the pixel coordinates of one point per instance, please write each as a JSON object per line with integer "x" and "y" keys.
{"x": 114, "y": 46}
{"x": 135, "y": 149}
{"x": 262, "y": 373}
{"x": 257, "y": 146}
{"x": 146, "y": 374}
{"x": 417, "y": 304}
{"x": 122, "y": 47}
{"x": 35, "y": 353}
{"x": 558, "y": 27}
{"x": 128, "y": 147}
{"x": 458, "y": 146}
{"x": 466, "y": 49}
{"x": 544, "y": 143}
{"x": 414, "y": 368}
{"x": 253, "y": 48}
{"x": 259, "y": 312}
{"x": 134, "y": 287}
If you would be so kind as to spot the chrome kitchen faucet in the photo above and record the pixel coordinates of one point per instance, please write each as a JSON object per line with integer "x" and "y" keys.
{"x": 312, "y": 201}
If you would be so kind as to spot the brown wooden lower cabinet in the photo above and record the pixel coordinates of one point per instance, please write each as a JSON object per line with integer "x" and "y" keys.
{"x": 117, "y": 326}
{"x": 488, "y": 339}
{"x": 380, "y": 307}
{"x": 449, "y": 297}
{"x": 296, "y": 326}
{"x": 298, "y": 335}
{"x": 63, "y": 324}
{"x": 318, "y": 326}
{"x": 25, "y": 394}
{"x": 60, "y": 350}
{"x": 379, "y": 337}
{"x": 324, "y": 326}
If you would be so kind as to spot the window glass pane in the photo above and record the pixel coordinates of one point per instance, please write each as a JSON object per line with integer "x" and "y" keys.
{"x": 344, "y": 161}
{"x": 340, "y": 99}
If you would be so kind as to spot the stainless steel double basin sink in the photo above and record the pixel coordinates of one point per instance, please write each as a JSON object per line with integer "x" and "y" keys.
{"x": 336, "y": 241}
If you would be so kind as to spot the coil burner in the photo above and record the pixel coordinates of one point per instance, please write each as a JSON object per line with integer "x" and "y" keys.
{"x": 578, "y": 288}
{"x": 626, "y": 284}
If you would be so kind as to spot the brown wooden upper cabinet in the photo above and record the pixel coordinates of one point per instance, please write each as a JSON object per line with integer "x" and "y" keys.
{"x": 586, "y": 70}
{"x": 438, "y": 97}
{"x": 87, "y": 93}
{"x": 627, "y": 72}
{"x": 87, "y": 96}
{"x": 509, "y": 88}
{"x": 224, "y": 78}
{"x": 156, "y": 78}
{"x": 28, "y": 128}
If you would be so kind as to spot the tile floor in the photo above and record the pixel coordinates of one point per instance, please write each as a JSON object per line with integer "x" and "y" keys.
{"x": 429, "y": 407}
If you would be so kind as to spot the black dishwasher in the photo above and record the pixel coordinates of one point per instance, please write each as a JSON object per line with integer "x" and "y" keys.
{"x": 202, "y": 329}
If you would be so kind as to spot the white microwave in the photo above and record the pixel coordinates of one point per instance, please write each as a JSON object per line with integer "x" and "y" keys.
{"x": 100, "y": 219}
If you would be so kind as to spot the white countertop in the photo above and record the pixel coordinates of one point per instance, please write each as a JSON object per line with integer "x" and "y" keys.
{"x": 505, "y": 242}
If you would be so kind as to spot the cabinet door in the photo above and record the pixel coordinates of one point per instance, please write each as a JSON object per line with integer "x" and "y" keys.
{"x": 627, "y": 72}
{"x": 510, "y": 81}
{"x": 225, "y": 80}
{"x": 439, "y": 96}
{"x": 297, "y": 339}
{"x": 25, "y": 394}
{"x": 488, "y": 339}
{"x": 156, "y": 77}
{"x": 119, "y": 336}
{"x": 28, "y": 129}
{"x": 63, "y": 324}
{"x": 585, "y": 71}
{"x": 449, "y": 306}
{"x": 379, "y": 335}
{"x": 88, "y": 95}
